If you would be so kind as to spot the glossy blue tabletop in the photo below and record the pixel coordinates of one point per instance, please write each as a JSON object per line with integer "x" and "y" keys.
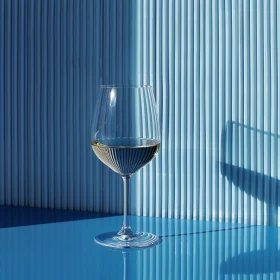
{"x": 189, "y": 250}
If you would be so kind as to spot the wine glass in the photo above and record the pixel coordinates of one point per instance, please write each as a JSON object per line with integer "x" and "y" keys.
{"x": 125, "y": 136}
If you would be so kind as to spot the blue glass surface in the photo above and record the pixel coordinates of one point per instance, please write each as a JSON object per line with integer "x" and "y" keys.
{"x": 190, "y": 250}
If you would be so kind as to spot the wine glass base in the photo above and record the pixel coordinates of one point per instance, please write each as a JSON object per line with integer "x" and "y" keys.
{"x": 137, "y": 241}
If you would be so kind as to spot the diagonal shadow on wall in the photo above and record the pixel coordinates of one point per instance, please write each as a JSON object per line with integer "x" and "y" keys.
{"x": 255, "y": 181}
{"x": 251, "y": 171}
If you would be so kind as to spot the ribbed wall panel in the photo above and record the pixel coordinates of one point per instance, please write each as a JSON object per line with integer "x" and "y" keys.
{"x": 53, "y": 57}
{"x": 214, "y": 66}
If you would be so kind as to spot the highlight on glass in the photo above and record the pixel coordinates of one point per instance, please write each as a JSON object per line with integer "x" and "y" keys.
{"x": 125, "y": 136}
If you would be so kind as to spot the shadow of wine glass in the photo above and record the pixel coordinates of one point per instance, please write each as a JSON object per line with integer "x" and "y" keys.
{"x": 253, "y": 184}
{"x": 251, "y": 177}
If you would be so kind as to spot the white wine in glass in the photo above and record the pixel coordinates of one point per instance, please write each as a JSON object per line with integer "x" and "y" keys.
{"x": 125, "y": 136}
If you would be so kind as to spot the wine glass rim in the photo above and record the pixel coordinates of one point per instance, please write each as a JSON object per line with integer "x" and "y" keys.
{"x": 125, "y": 86}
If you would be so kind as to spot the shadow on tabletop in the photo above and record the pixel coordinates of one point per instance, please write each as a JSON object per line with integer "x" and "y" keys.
{"x": 11, "y": 216}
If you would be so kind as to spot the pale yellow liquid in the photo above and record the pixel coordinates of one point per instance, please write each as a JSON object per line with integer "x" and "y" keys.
{"x": 126, "y": 159}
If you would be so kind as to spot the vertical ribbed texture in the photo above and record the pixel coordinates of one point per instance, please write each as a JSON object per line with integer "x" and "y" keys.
{"x": 214, "y": 67}
{"x": 53, "y": 57}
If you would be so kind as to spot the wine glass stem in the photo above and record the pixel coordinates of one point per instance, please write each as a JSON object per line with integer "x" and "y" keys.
{"x": 126, "y": 186}
{"x": 126, "y": 233}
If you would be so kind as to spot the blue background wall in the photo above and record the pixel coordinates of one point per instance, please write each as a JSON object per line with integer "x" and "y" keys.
{"x": 53, "y": 57}
{"x": 214, "y": 66}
